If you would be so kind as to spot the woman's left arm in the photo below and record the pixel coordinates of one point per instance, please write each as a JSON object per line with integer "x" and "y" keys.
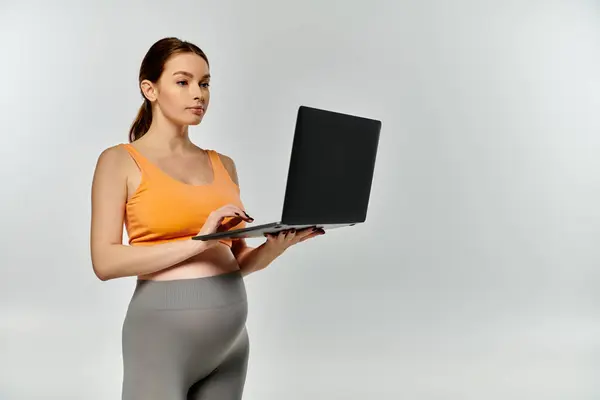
{"x": 252, "y": 259}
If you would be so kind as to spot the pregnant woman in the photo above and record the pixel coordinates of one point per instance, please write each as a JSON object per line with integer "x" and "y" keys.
{"x": 184, "y": 335}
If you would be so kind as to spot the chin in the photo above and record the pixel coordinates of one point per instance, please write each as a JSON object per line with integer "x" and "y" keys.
{"x": 195, "y": 121}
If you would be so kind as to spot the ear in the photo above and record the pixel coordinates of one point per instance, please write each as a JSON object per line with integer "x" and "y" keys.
{"x": 149, "y": 90}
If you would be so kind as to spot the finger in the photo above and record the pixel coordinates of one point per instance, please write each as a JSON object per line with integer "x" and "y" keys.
{"x": 281, "y": 236}
{"x": 270, "y": 236}
{"x": 229, "y": 224}
{"x": 231, "y": 210}
{"x": 315, "y": 233}
{"x": 305, "y": 232}
{"x": 242, "y": 213}
{"x": 290, "y": 234}
{"x": 312, "y": 235}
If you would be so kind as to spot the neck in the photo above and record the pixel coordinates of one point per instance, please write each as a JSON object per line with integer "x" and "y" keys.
{"x": 166, "y": 136}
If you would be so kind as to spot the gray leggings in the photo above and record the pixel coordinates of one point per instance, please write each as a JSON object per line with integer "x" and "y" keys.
{"x": 186, "y": 339}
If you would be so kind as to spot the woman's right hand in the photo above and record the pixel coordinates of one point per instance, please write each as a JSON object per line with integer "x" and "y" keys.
{"x": 214, "y": 221}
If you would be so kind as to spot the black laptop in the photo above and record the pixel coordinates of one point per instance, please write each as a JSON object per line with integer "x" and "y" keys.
{"x": 329, "y": 176}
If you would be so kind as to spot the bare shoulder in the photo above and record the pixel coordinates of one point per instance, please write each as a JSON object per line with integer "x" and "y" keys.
{"x": 115, "y": 160}
{"x": 113, "y": 155}
{"x": 229, "y": 165}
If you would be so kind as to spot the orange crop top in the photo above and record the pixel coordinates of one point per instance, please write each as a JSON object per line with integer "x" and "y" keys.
{"x": 163, "y": 209}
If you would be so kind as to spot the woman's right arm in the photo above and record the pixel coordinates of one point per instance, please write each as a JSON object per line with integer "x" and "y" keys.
{"x": 110, "y": 258}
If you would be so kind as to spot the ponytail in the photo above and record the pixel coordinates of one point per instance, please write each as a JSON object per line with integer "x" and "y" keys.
{"x": 142, "y": 121}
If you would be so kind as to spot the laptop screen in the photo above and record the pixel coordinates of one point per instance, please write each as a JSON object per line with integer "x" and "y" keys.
{"x": 331, "y": 168}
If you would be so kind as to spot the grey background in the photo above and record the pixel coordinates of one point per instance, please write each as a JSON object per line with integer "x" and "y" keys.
{"x": 475, "y": 276}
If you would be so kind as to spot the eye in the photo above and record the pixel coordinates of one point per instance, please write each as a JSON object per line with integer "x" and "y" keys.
{"x": 205, "y": 84}
{"x": 182, "y": 82}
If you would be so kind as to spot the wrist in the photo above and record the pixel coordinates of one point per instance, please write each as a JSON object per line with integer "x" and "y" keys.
{"x": 271, "y": 251}
{"x": 199, "y": 246}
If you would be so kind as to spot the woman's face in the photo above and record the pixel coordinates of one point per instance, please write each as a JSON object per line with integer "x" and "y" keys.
{"x": 182, "y": 92}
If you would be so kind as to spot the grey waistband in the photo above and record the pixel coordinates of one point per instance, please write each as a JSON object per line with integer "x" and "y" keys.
{"x": 205, "y": 292}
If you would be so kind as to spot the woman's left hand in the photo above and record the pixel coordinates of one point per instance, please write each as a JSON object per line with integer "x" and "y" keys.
{"x": 281, "y": 241}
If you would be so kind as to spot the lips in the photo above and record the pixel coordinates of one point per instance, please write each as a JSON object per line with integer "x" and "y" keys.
{"x": 197, "y": 110}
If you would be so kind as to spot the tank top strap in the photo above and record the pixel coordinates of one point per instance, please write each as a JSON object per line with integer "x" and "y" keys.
{"x": 221, "y": 173}
{"x": 145, "y": 166}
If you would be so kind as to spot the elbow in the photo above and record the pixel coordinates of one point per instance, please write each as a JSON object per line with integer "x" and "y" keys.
{"x": 100, "y": 273}
{"x": 100, "y": 265}
{"x": 100, "y": 270}
{"x": 103, "y": 278}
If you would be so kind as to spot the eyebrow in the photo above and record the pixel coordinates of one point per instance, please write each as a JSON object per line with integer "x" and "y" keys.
{"x": 190, "y": 75}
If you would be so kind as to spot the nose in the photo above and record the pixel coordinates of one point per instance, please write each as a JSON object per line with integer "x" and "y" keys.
{"x": 198, "y": 94}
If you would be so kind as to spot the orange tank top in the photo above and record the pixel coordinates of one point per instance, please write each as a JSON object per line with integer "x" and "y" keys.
{"x": 164, "y": 209}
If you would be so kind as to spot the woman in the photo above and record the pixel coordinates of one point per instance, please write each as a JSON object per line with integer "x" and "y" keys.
{"x": 184, "y": 335}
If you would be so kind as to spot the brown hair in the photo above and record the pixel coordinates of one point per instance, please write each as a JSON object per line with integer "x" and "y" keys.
{"x": 151, "y": 69}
